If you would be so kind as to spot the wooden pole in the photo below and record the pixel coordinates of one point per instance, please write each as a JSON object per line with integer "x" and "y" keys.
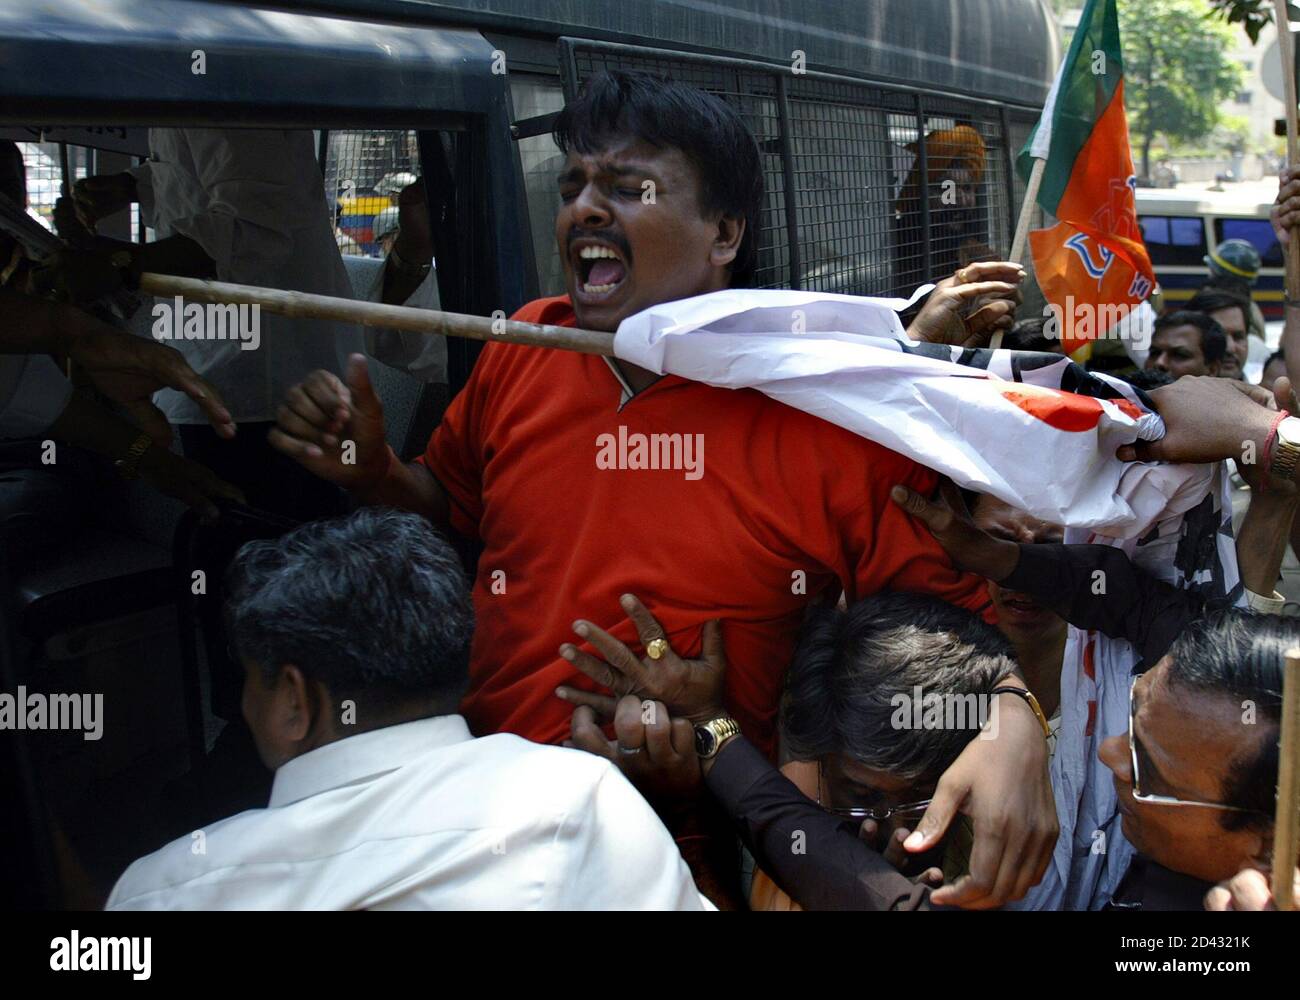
{"x": 1022, "y": 226}
{"x": 1027, "y": 210}
{"x": 1286, "y": 820}
{"x": 305, "y": 305}
{"x": 1286, "y": 50}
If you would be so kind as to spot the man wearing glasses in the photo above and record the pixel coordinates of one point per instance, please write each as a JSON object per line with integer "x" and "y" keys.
{"x": 880, "y": 702}
{"x": 1197, "y": 770}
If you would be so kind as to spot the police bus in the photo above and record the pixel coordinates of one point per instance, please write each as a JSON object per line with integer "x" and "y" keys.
{"x": 1181, "y": 228}
{"x": 845, "y": 101}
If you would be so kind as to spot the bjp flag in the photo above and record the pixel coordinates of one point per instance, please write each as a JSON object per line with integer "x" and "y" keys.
{"x": 1092, "y": 265}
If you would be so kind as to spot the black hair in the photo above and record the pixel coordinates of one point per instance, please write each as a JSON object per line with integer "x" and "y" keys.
{"x": 1275, "y": 356}
{"x": 1027, "y": 335}
{"x": 1214, "y": 342}
{"x": 375, "y": 604}
{"x": 671, "y": 115}
{"x": 1147, "y": 379}
{"x": 855, "y": 669}
{"x": 1210, "y": 299}
{"x": 1240, "y": 654}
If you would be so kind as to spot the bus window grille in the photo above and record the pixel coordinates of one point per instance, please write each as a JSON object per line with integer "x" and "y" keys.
{"x": 363, "y": 176}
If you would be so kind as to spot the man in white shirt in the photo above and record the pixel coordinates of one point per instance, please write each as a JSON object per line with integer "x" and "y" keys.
{"x": 245, "y": 206}
{"x": 354, "y": 634}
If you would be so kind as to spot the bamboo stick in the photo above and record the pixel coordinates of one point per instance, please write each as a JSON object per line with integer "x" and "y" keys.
{"x": 1022, "y": 226}
{"x": 304, "y": 305}
{"x": 1286, "y": 820}
{"x": 1286, "y": 50}
{"x": 1027, "y": 210}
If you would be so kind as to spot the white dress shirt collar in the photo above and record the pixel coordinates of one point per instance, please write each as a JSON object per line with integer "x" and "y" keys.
{"x": 361, "y": 757}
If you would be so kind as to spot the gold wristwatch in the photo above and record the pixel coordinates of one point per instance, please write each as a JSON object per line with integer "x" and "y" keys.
{"x": 128, "y": 466}
{"x": 711, "y": 736}
{"x": 1286, "y": 449}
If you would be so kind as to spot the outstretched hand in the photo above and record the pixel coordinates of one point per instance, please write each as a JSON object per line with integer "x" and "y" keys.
{"x": 968, "y": 307}
{"x": 1207, "y": 419}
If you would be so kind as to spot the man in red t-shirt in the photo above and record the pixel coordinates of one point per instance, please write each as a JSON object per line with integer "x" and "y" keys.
{"x": 586, "y": 478}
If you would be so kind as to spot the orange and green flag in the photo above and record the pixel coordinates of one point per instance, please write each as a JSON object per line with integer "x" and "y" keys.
{"x": 1092, "y": 266}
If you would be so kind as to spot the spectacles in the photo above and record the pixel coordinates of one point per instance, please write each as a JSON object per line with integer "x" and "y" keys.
{"x": 877, "y": 813}
{"x": 1165, "y": 800}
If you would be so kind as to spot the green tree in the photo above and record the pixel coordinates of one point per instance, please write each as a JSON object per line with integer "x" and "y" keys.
{"x": 1251, "y": 14}
{"x": 1176, "y": 70}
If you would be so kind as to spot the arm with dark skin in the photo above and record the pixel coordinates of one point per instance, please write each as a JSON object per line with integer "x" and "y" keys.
{"x": 1090, "y": 586}
{"x": 126, "y": 369}
{"x": 323, "y": 415}
{"x": 835, "y": 869}
{"x": 86, "y": 270}
{"x": 87, "y": 424}
{"x": 1270, "y": 518}
{"x": 1009, "y": 856}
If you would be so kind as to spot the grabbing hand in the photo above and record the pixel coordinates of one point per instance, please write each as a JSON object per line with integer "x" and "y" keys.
{"x": 1247, "y": 890}
{"x": 1003, "y": 785}
{"x": 967, "y": 308}
{"x": 969, "y": 548}
{"x": 1285, "y": 213}
{"x": 334, "y": 431}
{"x": 1207, "y": 419}
{"x": 75, "y": 274}
{"x": 654, "y": 750}
{"x": 129, "y": 370}
{"x": 691, "y": 689}
{"x": 98, "y": 197}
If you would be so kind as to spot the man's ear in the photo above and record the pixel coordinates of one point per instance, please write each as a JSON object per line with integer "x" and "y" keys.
{"x": 731, "y": 230}
{"x": 296, "y": 703}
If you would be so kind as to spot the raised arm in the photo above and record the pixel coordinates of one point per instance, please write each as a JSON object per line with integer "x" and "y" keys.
{"x": 1090, "y": 586}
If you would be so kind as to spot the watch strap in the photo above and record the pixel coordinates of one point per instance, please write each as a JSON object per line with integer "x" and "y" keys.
{"x": 1283, "y": 455}
{"x": 723, "y": 729}
{"x": 1031, "y": 701}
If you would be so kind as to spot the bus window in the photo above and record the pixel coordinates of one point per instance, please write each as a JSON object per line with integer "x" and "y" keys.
{"x": 1176, "y": 240}
{"x": 533, "y": 95}
{"x": 1257, "y": 232}
{"x": 845, "y": 194}
{"x": 364, "y": 173}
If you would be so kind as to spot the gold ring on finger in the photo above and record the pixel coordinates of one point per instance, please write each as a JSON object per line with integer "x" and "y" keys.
{"x": 656, "y": 648}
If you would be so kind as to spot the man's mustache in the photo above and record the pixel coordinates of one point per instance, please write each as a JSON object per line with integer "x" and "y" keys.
{"x": 605, "y": 236}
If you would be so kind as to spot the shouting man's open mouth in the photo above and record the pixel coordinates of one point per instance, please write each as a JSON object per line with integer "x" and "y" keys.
{"x": 600, "y": 269}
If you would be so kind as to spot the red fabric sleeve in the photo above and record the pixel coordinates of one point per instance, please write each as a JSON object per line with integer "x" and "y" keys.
{"x": 454, "y": 453}
{"x": 901, "y": 554}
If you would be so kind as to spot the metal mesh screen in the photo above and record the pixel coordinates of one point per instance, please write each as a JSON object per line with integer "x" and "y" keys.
{"x": 845, "y": 163}
{"x": 364, "y": 172}
{"x": 44, "y": 172}
{"x": 865, "y": 220}
{"x": 1021, "y": 127}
